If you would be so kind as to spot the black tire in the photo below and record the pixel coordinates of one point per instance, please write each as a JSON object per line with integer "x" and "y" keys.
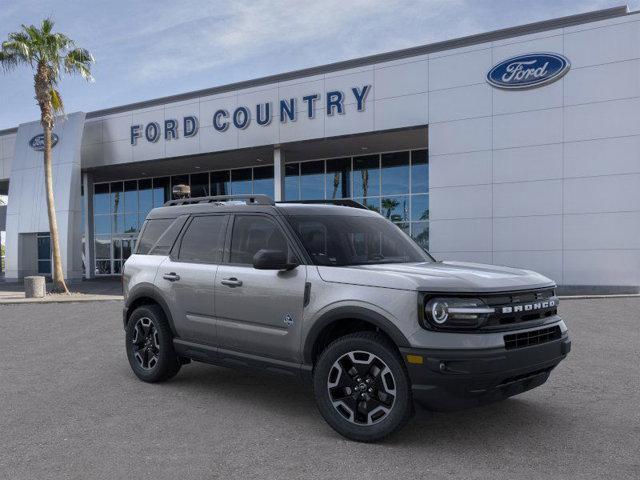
{"x": 151, "y": 356}
{"x": 353, "y": 413}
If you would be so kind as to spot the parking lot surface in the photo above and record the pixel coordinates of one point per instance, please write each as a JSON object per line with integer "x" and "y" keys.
{"x": 71, "y": 408}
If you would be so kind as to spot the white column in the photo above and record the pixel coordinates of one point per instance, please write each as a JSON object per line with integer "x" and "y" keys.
{"x": 87, "y": 186}
{"x": 278, "y": 174}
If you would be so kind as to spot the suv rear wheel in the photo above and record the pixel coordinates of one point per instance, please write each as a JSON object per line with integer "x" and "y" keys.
{"x": 150, "y": 345}
{"x": 362, "y": 388}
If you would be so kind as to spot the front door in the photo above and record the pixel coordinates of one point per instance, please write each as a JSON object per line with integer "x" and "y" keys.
{"x": 259, "y": 311}
{"x": 187, "y": 277}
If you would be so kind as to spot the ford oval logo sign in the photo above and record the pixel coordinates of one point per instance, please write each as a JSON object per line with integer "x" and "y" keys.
{"x": 37, "y": 142}
{"x": 528, "y": 71}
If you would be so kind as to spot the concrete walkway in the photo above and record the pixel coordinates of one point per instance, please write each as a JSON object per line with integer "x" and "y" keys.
{"x": 84, "y": 291}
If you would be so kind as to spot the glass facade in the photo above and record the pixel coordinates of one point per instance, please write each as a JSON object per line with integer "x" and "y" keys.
{"x": 44, "y": 253}
{"x": 396, "y": 184}
{"x": 119, "y": 208}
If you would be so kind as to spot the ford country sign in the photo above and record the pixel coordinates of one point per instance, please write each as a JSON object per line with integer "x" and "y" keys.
{"x": 528, "y": 71}
{"x": 37, "y": 142}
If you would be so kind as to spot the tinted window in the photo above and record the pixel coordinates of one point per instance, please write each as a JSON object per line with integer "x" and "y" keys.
{"x": 168, "y": 238}
{"x": 252, "y": 233}
{"x": 151, "y": 233}
{"x": 203, "y": 240}
{"x": 340, "y": 240}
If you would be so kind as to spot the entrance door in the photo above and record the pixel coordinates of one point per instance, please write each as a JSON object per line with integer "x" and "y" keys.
{"x": 187, "y": 277}
{"x": 259, "y": 311}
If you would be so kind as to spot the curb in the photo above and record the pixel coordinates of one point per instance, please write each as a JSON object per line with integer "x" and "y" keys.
{"x": 69, "y": 299}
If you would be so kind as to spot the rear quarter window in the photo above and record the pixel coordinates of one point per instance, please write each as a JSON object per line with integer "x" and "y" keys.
{"x": 158, "y": 235}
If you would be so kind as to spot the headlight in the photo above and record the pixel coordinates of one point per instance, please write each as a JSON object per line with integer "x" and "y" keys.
{"x": 456, "y": 312}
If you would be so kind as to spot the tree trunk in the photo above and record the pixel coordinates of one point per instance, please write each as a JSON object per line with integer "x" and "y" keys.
{"x": 59, "y": 285}
{"x": 42, "y": 85}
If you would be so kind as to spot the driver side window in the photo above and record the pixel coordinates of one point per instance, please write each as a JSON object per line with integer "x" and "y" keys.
{"x": 252, "y": 233}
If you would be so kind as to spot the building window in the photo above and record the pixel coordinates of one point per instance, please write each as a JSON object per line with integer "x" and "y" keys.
{"x": 44, "y": 253}
{"x": 120, "y": 208}
{"x": 396, "y": 184}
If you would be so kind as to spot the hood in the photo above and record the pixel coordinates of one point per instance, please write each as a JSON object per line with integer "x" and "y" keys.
{"x": 437, "y": 277}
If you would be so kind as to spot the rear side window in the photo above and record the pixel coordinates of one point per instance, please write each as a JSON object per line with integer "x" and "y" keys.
{"x": 204, "y": 239}
{"x": 151, "y": 234}
{"x": 252, "y": 233}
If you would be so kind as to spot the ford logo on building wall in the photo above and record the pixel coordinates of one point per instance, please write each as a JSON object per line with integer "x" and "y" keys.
{"x": 37, "y": 142}
{"x": 528, "y": 71}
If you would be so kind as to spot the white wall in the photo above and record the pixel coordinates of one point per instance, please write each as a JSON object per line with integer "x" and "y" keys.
{"x": 548, "y": 178}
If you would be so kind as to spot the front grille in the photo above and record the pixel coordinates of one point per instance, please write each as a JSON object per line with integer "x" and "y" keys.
{"x": 534, "y": 337}
{"x": 527, "y": 313}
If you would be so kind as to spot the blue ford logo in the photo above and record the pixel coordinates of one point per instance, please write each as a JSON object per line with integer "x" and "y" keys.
{"x": 528, "y": 71}
{"x": 37, "y": 142}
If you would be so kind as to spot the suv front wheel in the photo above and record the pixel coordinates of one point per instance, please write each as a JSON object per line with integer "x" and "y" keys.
{"x": 150, "y": 345}
{"x": 362, "y": 388}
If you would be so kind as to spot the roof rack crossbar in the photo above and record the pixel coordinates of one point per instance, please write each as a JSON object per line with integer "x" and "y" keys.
{"x": 250, "y": 199}
{"x": 342, "y": 202}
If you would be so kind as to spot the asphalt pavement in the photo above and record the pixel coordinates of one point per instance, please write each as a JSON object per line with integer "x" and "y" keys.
{"x": 71, "y": 408}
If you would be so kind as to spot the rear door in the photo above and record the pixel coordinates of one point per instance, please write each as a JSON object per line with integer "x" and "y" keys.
{"x": 187, "y": 277}
{"x": 259, "y": 311}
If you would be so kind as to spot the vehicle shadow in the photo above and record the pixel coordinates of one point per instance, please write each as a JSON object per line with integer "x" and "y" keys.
{"x": 497, "y": 423}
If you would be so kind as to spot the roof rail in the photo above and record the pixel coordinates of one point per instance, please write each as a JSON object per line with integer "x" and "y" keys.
{"x": 250, "y": 200}
{"x": 342, "y": 202}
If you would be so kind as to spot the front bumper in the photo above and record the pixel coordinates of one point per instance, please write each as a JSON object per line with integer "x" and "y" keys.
{"x": 452, "y": 379}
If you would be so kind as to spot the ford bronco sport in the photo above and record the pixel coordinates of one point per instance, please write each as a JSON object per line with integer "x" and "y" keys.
{"x": 340, "y": 296}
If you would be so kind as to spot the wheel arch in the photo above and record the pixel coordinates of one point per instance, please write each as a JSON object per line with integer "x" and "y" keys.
{"x": 345, "y": 318}
{"x": 146, "y": 294}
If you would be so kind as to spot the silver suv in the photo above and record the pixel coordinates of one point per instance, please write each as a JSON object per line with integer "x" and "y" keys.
{"x": 339, "y": 296}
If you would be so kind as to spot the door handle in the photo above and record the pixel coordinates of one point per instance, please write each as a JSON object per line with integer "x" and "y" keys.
{"x": 172, "y": 277}
{"x": 231, "y": 282}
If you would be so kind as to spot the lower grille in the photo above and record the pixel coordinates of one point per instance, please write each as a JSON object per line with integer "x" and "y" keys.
{"x": 534, "y": 337}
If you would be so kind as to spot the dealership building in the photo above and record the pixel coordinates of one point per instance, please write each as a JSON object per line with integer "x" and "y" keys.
{"x": 516, "y": 147}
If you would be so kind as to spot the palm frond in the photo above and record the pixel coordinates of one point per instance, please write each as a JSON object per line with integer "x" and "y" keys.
{"x": 56, "y": 101}
{"x": 79, "y": 60}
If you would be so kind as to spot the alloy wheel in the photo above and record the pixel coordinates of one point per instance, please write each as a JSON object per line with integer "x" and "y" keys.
{"x": 146, "y": 344}
{"x": 361, "y": 387}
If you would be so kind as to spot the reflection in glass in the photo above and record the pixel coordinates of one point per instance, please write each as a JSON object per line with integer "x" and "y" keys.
{"x": 420, "y": 233}
{"x": 312, "y": 180}
{"x": 161, "y": 188}
{"x": 44, "y": 247}
{"x": 396, "y": 209}
{"x": 370, "y": 203}
{"x": 131, "y": 196}
{"x": 241, "y": 181}
{"x": 44, "y": 267}
{"x": 338, "y": 178}
{"x": 404, "y": 226}
{"x": 199, "y": 184}
{"x": 117, "y": 267}
{"x": 220, "y": 183}
{"x": 420, "y": 171}
{"x": 292, "y": 181}
{"x": 102, "y": 247}
{"x": 127, "y": 247}
{"x": 116, "y": 197}
{"x": 263, "y": 180}
{"x": 131, "y": 223}
{"x": 117, "y": 248}
{"x": 103, "y": 267}
{"x": 145, "y": 196}
{"x": 101, "y": 198}
{"x": 420, "y": 207}
{"x": 102, "y": 224}
{"x": 395, "y": 173}
{"x": 118, "y": 224}
{"x": 366, "y": 176}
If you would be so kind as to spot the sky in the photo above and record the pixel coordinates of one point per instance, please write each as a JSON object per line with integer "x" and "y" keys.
{"x": 145, "y": 50}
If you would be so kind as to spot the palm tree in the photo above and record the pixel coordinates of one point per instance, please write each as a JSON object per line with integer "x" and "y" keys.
{"x": 47, "y": 53}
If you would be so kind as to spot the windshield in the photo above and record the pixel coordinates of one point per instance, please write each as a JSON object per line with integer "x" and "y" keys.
{"x": 341, "y": 240}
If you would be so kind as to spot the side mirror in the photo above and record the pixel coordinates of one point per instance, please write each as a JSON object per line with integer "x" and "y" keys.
{"x": 272, "y": 260}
